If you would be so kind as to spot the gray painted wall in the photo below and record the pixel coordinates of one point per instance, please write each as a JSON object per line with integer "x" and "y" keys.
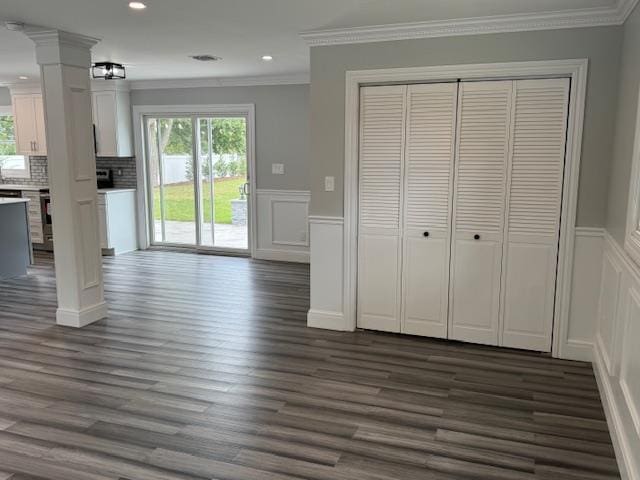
{"x": 601, "y": 46}
{"x": 282, "y": 125}
{"x": 5, "y": 96}
{"x": 625, "y": 128}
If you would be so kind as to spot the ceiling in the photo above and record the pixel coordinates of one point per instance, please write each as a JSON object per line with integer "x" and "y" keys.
{"x": 155, "y": 43}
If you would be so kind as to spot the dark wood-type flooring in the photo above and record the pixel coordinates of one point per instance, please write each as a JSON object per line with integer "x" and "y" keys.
{"x": 205, "y": 369}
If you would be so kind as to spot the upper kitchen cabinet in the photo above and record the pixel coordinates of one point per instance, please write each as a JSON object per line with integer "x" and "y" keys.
{"x": 112, "y": 118}
{"x": 29, "y": 123}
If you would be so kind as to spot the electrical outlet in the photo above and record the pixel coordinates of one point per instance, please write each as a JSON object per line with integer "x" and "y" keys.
{"x": 277, "y": 169}
{"x": 329, "y": 184}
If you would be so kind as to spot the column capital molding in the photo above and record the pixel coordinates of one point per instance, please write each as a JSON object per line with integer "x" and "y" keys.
{"x": 61, "y": 47}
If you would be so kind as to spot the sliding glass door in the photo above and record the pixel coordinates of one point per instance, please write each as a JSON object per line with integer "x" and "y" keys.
{"x": 223, "y": 182}
{"x": 198, "y": 181}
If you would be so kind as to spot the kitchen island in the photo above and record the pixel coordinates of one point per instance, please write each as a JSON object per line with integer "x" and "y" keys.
{"x": 15, "y": 245}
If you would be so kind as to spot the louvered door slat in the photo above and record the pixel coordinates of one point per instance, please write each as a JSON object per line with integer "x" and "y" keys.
{"x": 534, "y": 198}
{"x": 429, "y": 154}
{"x": 382, "y": 130}
{"x": 484, "y": 119}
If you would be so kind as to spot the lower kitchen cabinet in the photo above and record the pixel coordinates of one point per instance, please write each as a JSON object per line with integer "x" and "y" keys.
{"x": 117, "y": 220}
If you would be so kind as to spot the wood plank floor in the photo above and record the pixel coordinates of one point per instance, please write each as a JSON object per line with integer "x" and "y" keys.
{"x": 205, "y": 370}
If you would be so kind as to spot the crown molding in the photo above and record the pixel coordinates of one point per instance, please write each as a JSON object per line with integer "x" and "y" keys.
{"x": 588, "y": 17}
{"x": 294, "y": 79}
{"x": 50, "y": 36}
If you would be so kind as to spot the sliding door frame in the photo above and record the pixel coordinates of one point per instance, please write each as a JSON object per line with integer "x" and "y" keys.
{"x": 141, "y": 113}
{"x": 575, "y": 69}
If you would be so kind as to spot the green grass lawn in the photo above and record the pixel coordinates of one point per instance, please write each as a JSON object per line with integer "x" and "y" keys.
{"x": 179, "y": 200}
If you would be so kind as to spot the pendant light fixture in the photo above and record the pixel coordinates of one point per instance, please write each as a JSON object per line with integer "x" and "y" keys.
{"x": 108, "y": 70}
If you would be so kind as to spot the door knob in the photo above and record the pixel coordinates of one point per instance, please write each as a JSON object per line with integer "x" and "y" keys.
{"x": 476, "y": 237}
{"x": 426, "y": 234}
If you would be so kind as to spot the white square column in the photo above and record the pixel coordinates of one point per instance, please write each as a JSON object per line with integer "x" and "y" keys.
{"x": 65, "y": 60}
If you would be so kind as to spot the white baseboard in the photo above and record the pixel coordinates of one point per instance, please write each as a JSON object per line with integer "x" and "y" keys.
{"x": 81, "y": 318}
{"x": 580, "y": 350}
{"x": 624, "y": 452}
{"x": 281, "y": 255}
{"x": 326, "y": 320}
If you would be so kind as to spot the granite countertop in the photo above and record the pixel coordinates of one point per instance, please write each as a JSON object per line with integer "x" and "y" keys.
{"x": 115, "y": 190}
{"x": 9, "y": 201}
{"x": 37, "y": 188}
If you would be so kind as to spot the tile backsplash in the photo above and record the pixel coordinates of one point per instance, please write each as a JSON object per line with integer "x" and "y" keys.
{"x": 39, "y": 173}
{"x": 126, "y": 166}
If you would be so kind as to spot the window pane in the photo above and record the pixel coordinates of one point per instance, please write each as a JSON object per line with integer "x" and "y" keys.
{"x": 13, "y": 162}
{"x": 7, "y": 137}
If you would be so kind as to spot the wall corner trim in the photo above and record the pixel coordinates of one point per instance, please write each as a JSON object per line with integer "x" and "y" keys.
{"x": 577, "y": 18}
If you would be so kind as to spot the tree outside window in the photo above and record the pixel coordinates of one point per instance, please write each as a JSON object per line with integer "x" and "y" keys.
{"x": 11, "y": 164}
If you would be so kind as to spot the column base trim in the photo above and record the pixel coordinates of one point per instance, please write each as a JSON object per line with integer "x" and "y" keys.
{"x": 326, "y": 320}
{"x": 81, "y": 318}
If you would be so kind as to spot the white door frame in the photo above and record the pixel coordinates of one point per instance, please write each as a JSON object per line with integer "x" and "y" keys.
{"x": 140, "y": 111}
{"x": 576, "y": 69}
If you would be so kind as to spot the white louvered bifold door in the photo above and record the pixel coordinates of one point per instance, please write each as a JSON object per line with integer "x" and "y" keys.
{"x": 534, "y": 198}
{"x": 382, "y": 121}
{"x": 478, "y": 212}
{"x": 429, "y": 154}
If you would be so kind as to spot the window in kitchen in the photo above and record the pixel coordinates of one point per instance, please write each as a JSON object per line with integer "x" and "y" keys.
{"x": 12, "y": 165}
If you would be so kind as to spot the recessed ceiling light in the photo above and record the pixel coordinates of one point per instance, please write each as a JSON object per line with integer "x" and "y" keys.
{"x": 137, "y": 5}
{"x": 267, "y": 58}
{"x": 22, "y": 77}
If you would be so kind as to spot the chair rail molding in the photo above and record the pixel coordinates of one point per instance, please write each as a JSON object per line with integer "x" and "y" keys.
{"x": 615, "y": 14}
{"x": 576, "y": 69}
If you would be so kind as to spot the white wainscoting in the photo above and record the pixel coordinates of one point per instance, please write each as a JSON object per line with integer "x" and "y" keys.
{"x": 577, "y": 343}
{"x": 283, "y": 225}
{"x": 327, "y": 277}
{"x": 617, "y": 353}
{"x": 327, "y": 273}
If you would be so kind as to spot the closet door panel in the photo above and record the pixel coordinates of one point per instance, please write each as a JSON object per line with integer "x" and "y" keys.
{"x": 381, "y": 163}
{"x": 529, "y": 284}
{"x": 425, "y": 290}
{"x": 378, "y": 285}
{"x": 534, "y": 200}
{"x": 429, "y": 154}
{"x": 484, "y": 113}
{"x": 476, "y": 289}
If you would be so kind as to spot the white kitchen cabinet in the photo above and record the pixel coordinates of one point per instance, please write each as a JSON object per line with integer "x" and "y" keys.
{"x": 117, "y": 220}
{"x": 112, "y": 119}
{"x": 29, "y": 123}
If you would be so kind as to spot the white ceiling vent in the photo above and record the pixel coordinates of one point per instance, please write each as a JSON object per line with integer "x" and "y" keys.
{"x": 205, "y": 58}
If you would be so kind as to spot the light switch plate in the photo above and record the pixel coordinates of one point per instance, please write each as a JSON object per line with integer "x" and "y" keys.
{"x": 277, "y": 169}
{"x": 329, "y": 184}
